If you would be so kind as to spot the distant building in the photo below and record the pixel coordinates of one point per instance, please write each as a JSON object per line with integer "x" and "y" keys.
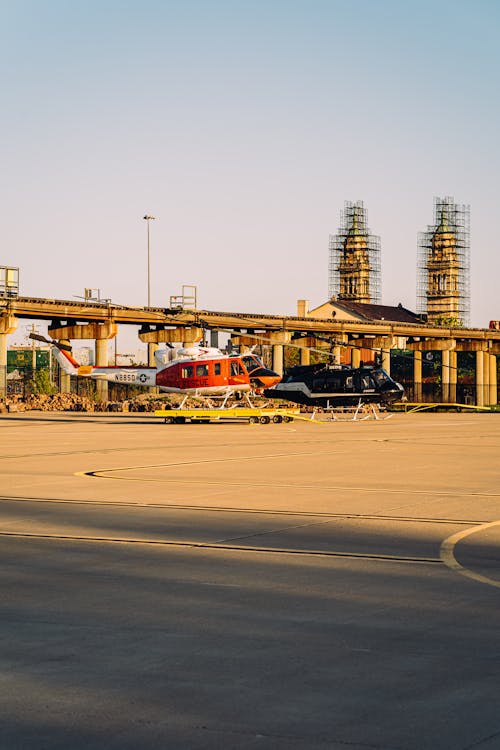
{"x": 443, "y": 265}
{"x": 346, "y": 310}
{"x": 354, "y": 263}
{"x": 85, "y": 355}
{"x": 364, "y": 349}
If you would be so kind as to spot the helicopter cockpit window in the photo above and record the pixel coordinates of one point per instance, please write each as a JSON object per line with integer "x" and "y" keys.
{"x": 201, "y": 370}
{"x": 187, "y": 372}
{"x": 236, "y": 368}
{"x": 380, "y": 377}
{"x": 251, "y": 363}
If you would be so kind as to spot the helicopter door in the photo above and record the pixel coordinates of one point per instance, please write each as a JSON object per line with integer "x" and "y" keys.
{"x": 349, "y": 384}
{"x": 364, "y": 383}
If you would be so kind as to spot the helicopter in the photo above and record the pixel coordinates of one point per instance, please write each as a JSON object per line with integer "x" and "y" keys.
{"x": 336, "y": 385}
{"x": 332, "y": 386}
{"x": 198, "y": 371}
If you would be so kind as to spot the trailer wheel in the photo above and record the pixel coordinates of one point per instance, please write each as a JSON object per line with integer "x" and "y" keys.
{"x": 180, "y": 420}
{"x": 264, "y": 420}
{"x": 253, "y": 420}
{"x": 277, "y": 418}
{"x": 168, "y": 420}
{"x": 287, "y": 419}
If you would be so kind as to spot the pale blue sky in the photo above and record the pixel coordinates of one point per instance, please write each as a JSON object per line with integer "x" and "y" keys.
{"x": 243, "y": 126}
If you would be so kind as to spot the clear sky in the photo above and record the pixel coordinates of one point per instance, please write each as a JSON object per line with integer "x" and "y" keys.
{"x": 243, "y": 126}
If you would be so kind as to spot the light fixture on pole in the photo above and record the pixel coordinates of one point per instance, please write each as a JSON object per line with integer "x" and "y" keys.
{"x": 148, "y": 218}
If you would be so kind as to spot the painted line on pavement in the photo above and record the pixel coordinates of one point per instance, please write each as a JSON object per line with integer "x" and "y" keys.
{"x": 447, "y": 554}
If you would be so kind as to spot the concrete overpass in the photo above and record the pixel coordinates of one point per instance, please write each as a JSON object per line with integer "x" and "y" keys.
{"x": 98, "y": 321}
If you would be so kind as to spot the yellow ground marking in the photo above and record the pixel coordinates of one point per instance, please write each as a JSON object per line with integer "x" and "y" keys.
{"x": 447, "y": 554}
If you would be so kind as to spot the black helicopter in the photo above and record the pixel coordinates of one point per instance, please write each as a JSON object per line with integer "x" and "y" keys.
{"x": 330, "y": 386}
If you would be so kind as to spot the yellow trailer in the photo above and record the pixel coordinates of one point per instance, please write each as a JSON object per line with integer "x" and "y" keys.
{"x": 236, "y": 414}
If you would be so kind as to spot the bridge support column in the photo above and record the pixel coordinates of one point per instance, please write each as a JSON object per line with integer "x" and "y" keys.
{"x": 100, "y": 332}
{"x": 486, "y": 376}
{"x": 385, "y": 344}
{"x": 445, "y": 376}
{"x": 386, "y": 360}
{"x": 8, "y": 324}
{"x": 305, "y": 345}
{"x": 305, "y": 356}
{"x": 493, "y": 380}
{"x": 101, "y": 360}
{"x": 283, "y": 337}
{"x": 479, "y": 378}
{"x": 152, "y": 348}
{"x": 355, "y": 358}
{"x": 453, "y": 377}
{"x": 64, "y": 378}
{"x": 278, "y": 350}
{"x": 417, "y": 375}
{"x": 3, "y": 365}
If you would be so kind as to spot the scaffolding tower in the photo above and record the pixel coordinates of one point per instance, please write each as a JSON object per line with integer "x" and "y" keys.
{"x": 443, "y": 273}
{"x": 354, "y": 258}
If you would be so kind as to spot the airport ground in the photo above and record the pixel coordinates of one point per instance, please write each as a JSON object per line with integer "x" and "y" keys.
{"x": 244, "y": 586}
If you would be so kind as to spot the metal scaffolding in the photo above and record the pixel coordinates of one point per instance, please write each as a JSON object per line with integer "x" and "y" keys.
{"x": 354, "y": 258}
{"x": 443, "y": 265}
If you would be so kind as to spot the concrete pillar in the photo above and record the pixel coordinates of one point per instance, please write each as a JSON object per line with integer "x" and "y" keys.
{"x": 493, "y": 380}
{"x": 355, "y": 357}
{"x": 486, "y": 376}
{"x": 445, "y": 375}
{"x": 8, "y": 324}
{"x": 305, "y": 356}
{"x": 386, "y": 360}
{"x": 417, "y": 376}
{"x": 152, "y": 348}
{"x": 278, "y": 358}
{"x": 101, "y": 360}
{"x": 277, "y": 339}
{"x": 453, "y": 377}
{"x": 479, "y": 379}
{"x": 3, "y": 365}
{"x": 64, "y": 378}
{"x": 337, "y": 355}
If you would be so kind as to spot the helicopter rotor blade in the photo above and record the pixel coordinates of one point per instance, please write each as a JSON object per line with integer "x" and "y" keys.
{"x": 45, "y": 340}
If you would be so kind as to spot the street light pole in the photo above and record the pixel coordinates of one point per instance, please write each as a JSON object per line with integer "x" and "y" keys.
{"x": 148, "y": 218}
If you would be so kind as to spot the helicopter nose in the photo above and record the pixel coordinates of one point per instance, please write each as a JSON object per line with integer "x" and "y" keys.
{"x": 265, "y": 378}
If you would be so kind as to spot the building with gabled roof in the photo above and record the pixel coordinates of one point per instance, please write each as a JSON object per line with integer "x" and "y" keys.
{"x": 347, "y": 310}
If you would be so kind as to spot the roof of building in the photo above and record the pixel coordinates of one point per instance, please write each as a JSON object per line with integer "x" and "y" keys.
{"x": 398, "y": 314}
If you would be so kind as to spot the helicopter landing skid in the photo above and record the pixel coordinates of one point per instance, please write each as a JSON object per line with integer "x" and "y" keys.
{"x": 218, "y": 402}
{"x": 358, "y": 413}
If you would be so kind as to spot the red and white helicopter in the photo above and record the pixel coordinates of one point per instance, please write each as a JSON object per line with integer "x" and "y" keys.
{"x": 198, "y": 371}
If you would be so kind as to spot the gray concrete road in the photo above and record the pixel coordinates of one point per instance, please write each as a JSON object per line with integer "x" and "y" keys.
{"x": 234, "y": 586}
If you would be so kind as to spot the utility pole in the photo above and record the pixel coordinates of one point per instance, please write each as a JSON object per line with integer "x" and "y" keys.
{"x": 32, "y": 329}
{"x": 147, "y": 219}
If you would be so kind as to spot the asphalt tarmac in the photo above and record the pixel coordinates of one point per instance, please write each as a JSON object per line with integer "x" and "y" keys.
{"x": 331, "y": 585}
